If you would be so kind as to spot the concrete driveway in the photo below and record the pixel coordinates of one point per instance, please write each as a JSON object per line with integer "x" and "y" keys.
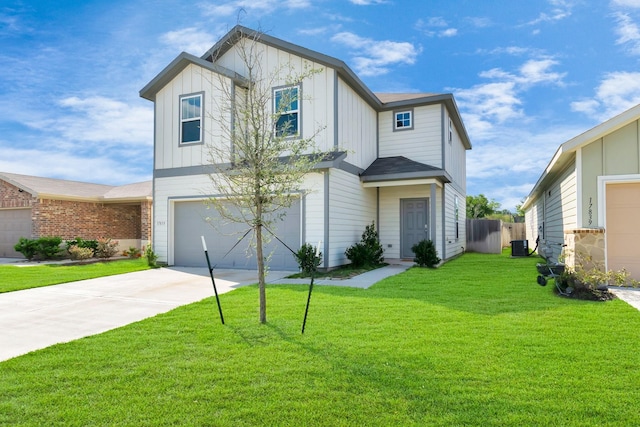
{"x": 37, "y": 318}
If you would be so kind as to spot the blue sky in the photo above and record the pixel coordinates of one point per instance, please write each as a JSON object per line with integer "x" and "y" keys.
{"x": 527, "y": 75}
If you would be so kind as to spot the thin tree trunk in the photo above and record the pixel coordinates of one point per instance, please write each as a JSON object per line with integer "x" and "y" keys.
{"x": 261, "y": 281}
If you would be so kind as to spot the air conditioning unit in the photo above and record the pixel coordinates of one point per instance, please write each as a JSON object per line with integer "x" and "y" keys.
{"x": 519, "y": 248}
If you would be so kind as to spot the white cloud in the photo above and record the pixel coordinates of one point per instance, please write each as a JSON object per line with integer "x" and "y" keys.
{"x": 499, "y": 101}
{"x": 435, "y": 26}
{"x": 560, "y": 9}
{"x": 627, "y": 3}
{"x": 537, "y": 71}
{"x": 500, "y": 159}
{"x": 66, "y": 164}
{"x": 373, "y": 57}
{"x": 192, "y": 40}
{"x": 628, "y": 33}
{"x": 616, "y": 93}
{"x": 449, "y": 32}
{"x": 103, "y": 121}
{"x": 233, "y": 7}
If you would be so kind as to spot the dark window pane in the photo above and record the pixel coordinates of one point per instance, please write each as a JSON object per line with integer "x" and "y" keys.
{"x": 191, "y": 131}
{"x": 287, "y": 125}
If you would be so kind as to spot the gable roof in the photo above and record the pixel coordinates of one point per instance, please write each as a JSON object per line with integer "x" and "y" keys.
{"x": 566, "y": 152}
{"x": 176, "y": 66}
{"x": 379, "y": 102}
{"x": 52, "y": 188}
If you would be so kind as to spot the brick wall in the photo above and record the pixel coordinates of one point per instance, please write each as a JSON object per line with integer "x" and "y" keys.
{"x": 12, "y": 197}
{"x": 69, "y": 220}
{"x": 146, "y": 209}
{"x": 88, "y": 220}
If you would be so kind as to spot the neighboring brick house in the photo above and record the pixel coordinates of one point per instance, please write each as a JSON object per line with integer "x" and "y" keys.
{"x": 37, "y": 207}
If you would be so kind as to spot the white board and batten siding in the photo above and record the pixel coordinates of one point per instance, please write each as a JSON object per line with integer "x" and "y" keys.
{"x": 352, "y": 208}
{"x": 390, "y": 215}
{"x": 169, "y": 153}
{"x": 422, "y": 144}
{"x": 455, "y": 155}
{"x": 314, "y": 210}
{"x": 454, "y": 245}
{"x": 357, "y": 123}
{"x": 317, "y": 103}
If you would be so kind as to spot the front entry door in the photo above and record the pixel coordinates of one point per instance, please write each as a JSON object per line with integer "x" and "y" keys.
{"x": 414, "y": 224}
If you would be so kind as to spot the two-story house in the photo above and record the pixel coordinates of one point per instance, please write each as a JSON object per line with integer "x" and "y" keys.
{"x": 400, "y": 159}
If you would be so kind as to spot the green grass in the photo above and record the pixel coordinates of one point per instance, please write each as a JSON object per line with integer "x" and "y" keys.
{"x": 475, "y": 342}
{"x": 18, "y": 278}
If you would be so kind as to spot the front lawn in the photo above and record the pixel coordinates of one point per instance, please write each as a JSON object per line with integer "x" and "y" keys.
{"x": 15, "y": 278}
{"x": 475, "y": 342}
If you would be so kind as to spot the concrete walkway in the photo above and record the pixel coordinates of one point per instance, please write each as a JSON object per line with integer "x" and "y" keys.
{"x": 629, "y": 295}
{"x": 37, "y": 318}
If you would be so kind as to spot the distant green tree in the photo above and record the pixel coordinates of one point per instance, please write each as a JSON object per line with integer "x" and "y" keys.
{"x": 481, "y": 207}
{"x": 519, "y": 210}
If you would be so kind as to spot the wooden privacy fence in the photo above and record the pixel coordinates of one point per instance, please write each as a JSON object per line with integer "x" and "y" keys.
{"x": 489, "y": 236}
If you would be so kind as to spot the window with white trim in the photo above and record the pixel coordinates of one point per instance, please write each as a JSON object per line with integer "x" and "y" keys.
{"x": 286, "y": 106}
{"x": 403, "y": 120}
{"x": 191, "y": 119}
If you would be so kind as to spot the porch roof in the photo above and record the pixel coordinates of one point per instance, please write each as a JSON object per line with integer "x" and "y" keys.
{"x": 400, "y": 168}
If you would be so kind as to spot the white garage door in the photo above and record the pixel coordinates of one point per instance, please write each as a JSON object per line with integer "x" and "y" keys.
{"x": 14, "y": 223}
{"x": 190, "y": 224}
{"x": 623, "y": 228}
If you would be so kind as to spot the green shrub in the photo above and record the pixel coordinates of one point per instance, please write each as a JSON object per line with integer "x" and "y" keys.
{"x": 27, "y": 247}
{"x": 307, "y": 259}
{"x": 42, "y": 248}
{"x": 369, "y": 251}
{"x": 106, "y": 248}
{"x": 81, "y": 243}
{"x": 426, "y": 254}
{"x": 152, "y": 257}
{"x": 132, "y": 252}
{"x": 78, "y": 253}
{"x": 49, "y": 247}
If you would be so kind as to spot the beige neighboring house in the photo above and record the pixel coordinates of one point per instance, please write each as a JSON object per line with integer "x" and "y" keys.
{"x": 33, "y": 207}
{"x": 588, "y": 197}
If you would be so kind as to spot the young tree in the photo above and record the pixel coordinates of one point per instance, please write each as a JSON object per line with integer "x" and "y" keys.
{"x": 261, "y": 156}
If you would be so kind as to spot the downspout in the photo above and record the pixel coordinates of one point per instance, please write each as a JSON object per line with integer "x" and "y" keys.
{"x": 444, "y": 223}
{"x": 326, "y": 219}
{"x": 336, "y": 116}
{"x": 433, "y": 214}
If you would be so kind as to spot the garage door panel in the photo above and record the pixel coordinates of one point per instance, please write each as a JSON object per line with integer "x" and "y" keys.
{"x": 623, "y": 228}
{"x": 14, "y": 223}
{"x": 193, "y": 219}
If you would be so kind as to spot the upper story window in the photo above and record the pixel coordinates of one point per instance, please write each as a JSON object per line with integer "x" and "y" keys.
{"x": 286, "y": 106}
{"x": 403, "y": 120}
{"x": 191, "y": 119}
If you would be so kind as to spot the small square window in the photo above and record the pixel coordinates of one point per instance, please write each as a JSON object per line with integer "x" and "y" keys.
{"x": 403, "y": 120}
{"x": 191, "y": 119}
